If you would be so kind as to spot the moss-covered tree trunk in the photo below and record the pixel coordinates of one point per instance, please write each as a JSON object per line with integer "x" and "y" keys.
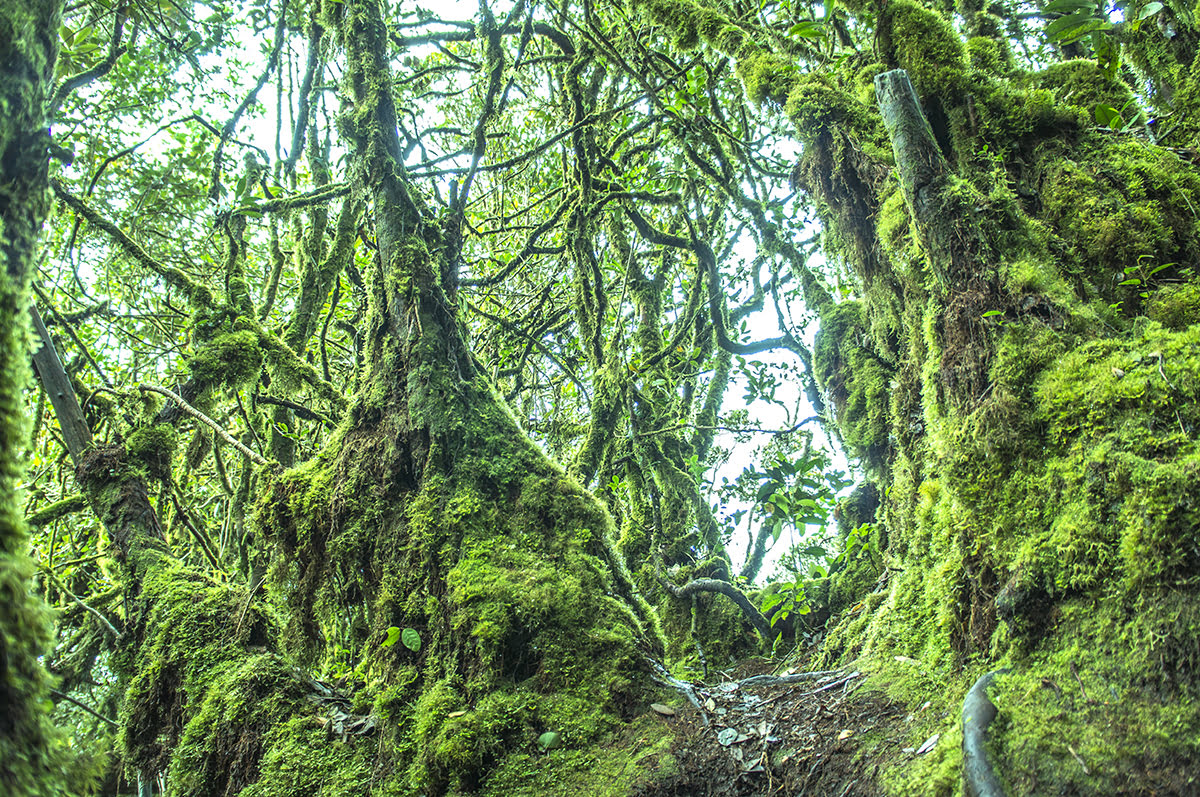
{"x": 465, "y": 589}
{"x": 1019, "y": 374}
{"x": 28, "y": 45}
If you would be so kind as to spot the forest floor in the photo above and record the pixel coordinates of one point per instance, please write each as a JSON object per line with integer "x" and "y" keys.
{"x": 824, "y": 736}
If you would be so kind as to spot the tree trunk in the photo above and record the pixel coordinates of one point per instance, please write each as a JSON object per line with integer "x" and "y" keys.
{"x": 466, "y": 586}
{"x": 28, "y": 47}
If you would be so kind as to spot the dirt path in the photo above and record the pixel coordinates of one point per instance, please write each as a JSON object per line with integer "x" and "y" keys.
{"x": 767, "y": 737}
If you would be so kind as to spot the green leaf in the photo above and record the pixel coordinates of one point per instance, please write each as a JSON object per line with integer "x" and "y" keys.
{"x": 1074, "y": 27}
{"x": 549, "y": 740}
{"x": 1149, "y": 10}
{"x": 771, "y": 601}
{"x": 411, "y": 639}
{"x": 393, "y": 634}
{"x": 807, "y": 29}
{"x": 991, "y": 313}
{"x": 1107, "y": 116}
{"x": 1069, "y": 6}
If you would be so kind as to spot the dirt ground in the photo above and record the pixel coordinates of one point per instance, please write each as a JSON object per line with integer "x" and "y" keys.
{"x": 782, "y": 738}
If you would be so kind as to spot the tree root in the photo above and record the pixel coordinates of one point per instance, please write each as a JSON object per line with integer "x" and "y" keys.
{"x": 978, "y": 711}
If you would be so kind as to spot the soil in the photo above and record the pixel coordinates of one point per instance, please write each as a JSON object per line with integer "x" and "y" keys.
{"x": 825, "y": 735}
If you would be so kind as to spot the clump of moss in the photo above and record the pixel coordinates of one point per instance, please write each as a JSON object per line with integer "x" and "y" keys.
{"x": 151, "y": 449}
{"x": 1122, "y": 207}
{"x": 767, "y": 76}
{"x": 502, "y": 564}
{"x": 855, "y": 380}
{"x": 924, "y": 44}
{"x": 1175, "y": 306}
{"x": 990, "y": 56}
{"x": 231, "y": 359}
{"x": 1095, "y": 712}
{"x": 1083, "y": 84}
{"x": 197, "y": 701}
{"x": 815, "y": 106}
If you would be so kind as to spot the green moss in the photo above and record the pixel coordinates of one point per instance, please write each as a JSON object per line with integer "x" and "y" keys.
{"x": 231, "y": 359}
{"x": 1175, "y": 306}
{"x": 1095, "y": 714}
{"x": 989, "y": 55}
{"x": 855, "y": 380}
{"x": 767, "y": 76}
{"x": 1121, "y": 205}
{"x": 226, "y": 735}
{"x": 151, "y": 449}
{"x": 501, "y": 563}
{"x": 691, "y": 23}
{"x": 302, "y": 759}
{"x": 815, "y": 106}
{"x": 1083, "y": 84}
{"x": 924, "y": 44}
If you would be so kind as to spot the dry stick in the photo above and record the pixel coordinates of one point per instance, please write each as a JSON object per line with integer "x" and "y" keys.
{"x": 209, "y": 422}
{"x": 1082, "y": 688}
{"x": 86, "y": 708}
{"x": 836, "y": 683}
{"x": 664, "y": 677}
{"x": 779, "y": 680}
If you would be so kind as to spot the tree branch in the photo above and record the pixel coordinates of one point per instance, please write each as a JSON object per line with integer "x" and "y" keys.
{"x": 209, "y": 422}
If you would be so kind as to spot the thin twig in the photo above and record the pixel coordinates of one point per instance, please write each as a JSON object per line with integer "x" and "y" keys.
{"x": 86, "y": 708}
{"x": 112, "y": 629}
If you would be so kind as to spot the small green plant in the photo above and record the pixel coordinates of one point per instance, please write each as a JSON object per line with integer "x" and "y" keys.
{"x": 409, "y": 636}
{"x": 1138, "y": 276}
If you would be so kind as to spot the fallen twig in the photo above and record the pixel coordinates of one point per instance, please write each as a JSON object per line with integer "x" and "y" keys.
{"x": 665, "y": 678}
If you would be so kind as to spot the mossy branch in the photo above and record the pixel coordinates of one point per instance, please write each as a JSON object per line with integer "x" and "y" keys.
{"x": 297, "y": 201}
{"x": 197, "y": 293}
{"x": 100, "y": 618}
{"x": 287, "y": 359}
{"x": 59, "y": 509}
{"x": 81, "y": 79}
{"x": 749, "y": 610}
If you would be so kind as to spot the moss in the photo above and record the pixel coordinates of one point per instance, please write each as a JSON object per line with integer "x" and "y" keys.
{"x": 302, "y": 759}
{"x": 855, "y": 380}
{"x": 198, "y": 630}
{"x": 1083, "y": 84}
{"x": 230, "y": 726}
{"x": 690, "y": 23}
{"x": 231, "y": 359}
{"x": 816, "y": 106}
{"x": 767, "y": 76}
{"x": 990, "y": 56}
{"x": 1175, "y": 306}
{"x": 1089, "y": 715}
{"x": 501, "y": 563}
{"x": 1123, "y": 208}
{"x": 924, "y": 44}
{"x": 151, "y": 449}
